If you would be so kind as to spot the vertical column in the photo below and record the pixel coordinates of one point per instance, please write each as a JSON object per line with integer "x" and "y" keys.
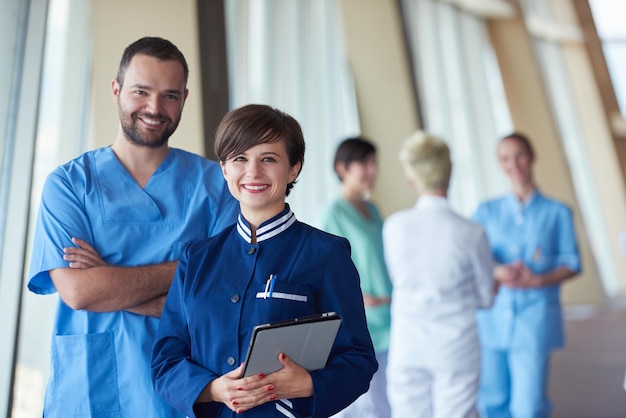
{"x": 385, "y": 90}
{"x": 16, "y": 186}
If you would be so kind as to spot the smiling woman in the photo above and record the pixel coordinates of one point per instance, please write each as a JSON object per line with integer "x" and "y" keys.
{"x": 261, "y": 151}
{"x": 260, "y": 173}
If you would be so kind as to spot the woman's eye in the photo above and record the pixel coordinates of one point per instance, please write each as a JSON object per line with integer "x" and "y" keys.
{"x": 238, "y": 159}
{"x": 268, "y": 159}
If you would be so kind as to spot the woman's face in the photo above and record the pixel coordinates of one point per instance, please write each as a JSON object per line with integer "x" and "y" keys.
{"x": 258, "y": 179}
{"x": 359, "y": 176}
{"x": 515, "y": 161}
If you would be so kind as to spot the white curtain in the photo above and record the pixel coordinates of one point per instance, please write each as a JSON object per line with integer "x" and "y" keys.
{"x": 461, "y": 95}
{"x": 290, "y": 55}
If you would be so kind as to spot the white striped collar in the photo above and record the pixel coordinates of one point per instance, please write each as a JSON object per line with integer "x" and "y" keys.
{"x": 267, "y": 229}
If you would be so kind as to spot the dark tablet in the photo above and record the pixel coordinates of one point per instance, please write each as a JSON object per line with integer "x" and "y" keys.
{"x": 306, "y": 340}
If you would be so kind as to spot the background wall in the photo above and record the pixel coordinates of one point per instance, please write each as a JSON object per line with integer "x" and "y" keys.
{"x": 116, "y": 24}
{"x": 385, "y": 91}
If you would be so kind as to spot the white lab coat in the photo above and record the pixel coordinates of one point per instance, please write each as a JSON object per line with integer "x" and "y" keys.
{"x": 441, "y": 267}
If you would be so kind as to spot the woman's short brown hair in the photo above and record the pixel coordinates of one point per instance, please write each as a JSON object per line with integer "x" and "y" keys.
{"x": 254, "y": 124}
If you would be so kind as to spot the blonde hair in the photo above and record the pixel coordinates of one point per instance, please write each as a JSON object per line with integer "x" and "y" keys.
{"x": 426, "y": 159}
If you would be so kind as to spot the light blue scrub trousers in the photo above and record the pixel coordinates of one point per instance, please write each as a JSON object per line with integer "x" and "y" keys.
{"x": 514, "y": 383}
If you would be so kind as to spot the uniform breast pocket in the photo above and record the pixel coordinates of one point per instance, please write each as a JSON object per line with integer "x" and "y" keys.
{"x": 287, "y": 299}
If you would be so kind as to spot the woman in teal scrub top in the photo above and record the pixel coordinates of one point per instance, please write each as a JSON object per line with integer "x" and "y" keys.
{"x": 353, "y": 216}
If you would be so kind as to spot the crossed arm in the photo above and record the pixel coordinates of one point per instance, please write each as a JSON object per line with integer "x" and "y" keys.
{"x": 90, "y": 284}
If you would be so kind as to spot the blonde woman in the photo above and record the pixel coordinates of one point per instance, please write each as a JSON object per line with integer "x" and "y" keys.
{"x": 441, "y": 268}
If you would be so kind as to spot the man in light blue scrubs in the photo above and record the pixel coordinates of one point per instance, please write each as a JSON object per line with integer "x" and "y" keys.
{"x": 534, "y": 243}
{"x": 111, "y": 227}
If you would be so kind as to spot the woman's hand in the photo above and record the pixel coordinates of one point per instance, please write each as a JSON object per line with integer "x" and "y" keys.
{"x": 243, "y": 394}
{"x": 83, "y": 256}
{"x": 517, "y": 275}
{"x": 292, "y": 381}
{"x": 238, "y": 394}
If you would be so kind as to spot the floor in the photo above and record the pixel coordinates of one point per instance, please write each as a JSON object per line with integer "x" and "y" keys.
{"x": 587, "y": 377}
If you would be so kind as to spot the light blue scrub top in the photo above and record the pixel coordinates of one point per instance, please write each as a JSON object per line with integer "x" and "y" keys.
{"x": 540, "y": 233}
{"x": 101, "y": 361}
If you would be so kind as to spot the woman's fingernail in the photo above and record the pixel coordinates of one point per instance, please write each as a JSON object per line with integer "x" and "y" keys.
{"x": 270, "y": 387}
{"x": 272, "y": 397}
{"x": 261, "y": 376}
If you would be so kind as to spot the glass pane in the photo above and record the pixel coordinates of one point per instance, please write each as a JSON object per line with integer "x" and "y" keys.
{"x": 609, "y": 18}
{"x": 615, "y": 55}
{"x": 10, "y": 51}
{"x": 63, "y": 101}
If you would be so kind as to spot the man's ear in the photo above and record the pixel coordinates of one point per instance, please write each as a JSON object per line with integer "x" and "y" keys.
{"x": 184, "y": 98}
{"x": 116, "y": 88}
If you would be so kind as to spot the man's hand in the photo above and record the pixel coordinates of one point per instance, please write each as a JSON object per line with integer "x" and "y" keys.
{"x": 90, "y": 284}
{"x": 83, "y": 256}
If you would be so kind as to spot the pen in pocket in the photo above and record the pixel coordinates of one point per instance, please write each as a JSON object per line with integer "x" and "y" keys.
{"x": 269, "y": 286}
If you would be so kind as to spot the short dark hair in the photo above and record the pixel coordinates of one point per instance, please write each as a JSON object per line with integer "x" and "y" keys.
{"x": 352, "y": 149}
{"x": 155, "y": 47}
{"x": 254, "y": 124}
{"x": 522, "y": 139}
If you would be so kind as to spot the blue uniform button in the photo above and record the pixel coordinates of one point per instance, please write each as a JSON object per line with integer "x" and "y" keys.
{"x": 230, "y": 361}
{"x": 251, "y": 250}
{"x": 234, "y": 298}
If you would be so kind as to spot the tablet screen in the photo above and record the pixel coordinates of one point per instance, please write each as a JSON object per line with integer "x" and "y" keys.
{"x": 307, "y": 341}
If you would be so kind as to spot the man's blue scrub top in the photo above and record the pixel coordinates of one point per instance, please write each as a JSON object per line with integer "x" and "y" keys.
{"x": 218, "y": 296}
{"x": 101, "y": 361}
{"x": 540, "y": 233}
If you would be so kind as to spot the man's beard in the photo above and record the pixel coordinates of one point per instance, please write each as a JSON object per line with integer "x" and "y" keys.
{"x": 134, "y": 134}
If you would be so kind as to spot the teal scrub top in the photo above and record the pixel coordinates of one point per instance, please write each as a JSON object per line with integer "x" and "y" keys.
{"x": 365, "y": 236}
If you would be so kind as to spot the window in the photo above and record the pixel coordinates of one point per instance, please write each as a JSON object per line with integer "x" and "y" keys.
{"x": 59, "y": 122}
{"x": 609, "y": 19}
{"x": 466, "y": 108}
{"x": 289, "y": 54}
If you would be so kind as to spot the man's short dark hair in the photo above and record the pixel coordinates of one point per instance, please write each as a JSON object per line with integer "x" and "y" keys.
{"x": 155, "y": 47}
